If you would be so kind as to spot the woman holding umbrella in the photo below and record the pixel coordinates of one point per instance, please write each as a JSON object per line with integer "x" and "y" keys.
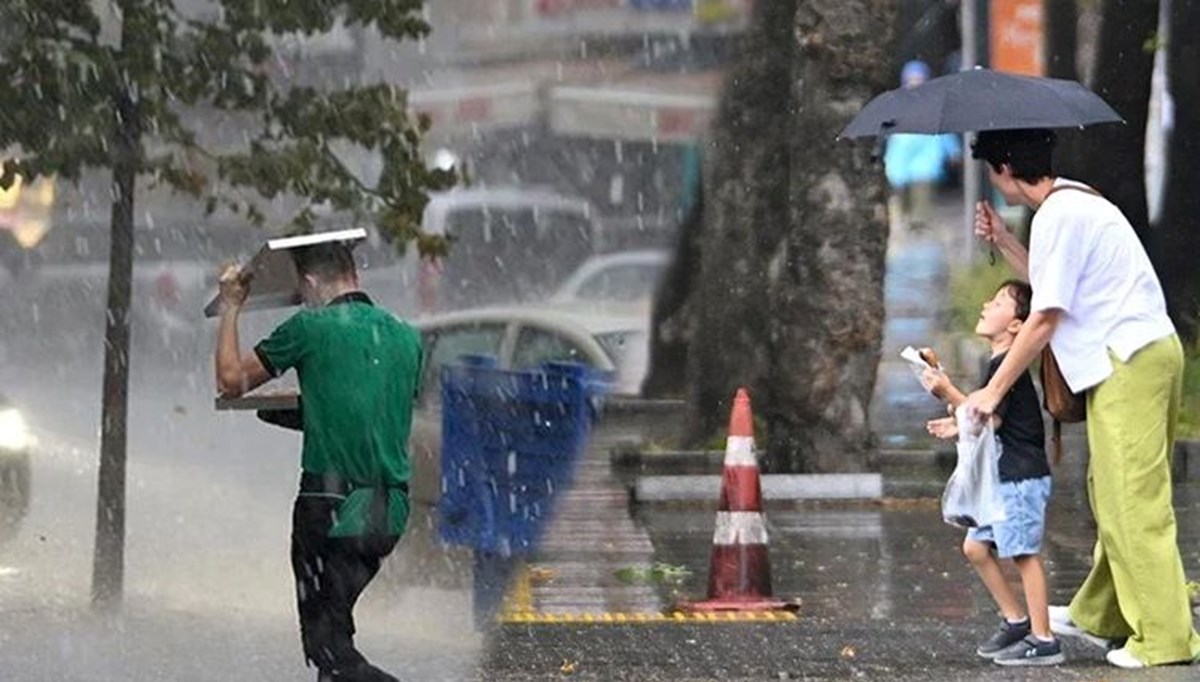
{"x": 1098, "y": 303}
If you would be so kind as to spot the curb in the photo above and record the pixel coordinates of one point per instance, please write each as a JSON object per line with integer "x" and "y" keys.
{"x": 630, "y": 456}
{"x": 774, "y": 487}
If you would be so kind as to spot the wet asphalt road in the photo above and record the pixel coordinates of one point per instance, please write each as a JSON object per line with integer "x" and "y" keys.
{"x": 915, "y": 651}
{"x": 885, "y": 595}
{"x": 209, "y": 591}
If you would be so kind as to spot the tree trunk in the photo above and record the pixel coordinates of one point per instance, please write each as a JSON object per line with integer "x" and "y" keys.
{"x": 787, "y": 295}
{"x": 745, "y": 180}
{"x": 1179, "y": 232}
{"x": 1062, "y": 27}
{"x": 108, "y": 566}
{"x": 1112, "y": 158}
{"x": 1062, "y": 49}
{"x": 827, "y": 293}
{"x": 670, "y": 338}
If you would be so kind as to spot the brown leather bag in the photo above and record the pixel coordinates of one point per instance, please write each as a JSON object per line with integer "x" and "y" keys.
{"x": 1064, "y": 406}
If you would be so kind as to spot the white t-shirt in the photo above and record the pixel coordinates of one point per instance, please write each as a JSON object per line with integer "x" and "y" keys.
{"x": 1086, "y": 260}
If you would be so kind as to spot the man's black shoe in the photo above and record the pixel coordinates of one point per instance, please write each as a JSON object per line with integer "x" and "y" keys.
{"x": 359, "y": 672}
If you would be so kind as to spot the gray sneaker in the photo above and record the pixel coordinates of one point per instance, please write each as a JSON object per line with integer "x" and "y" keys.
{"x": 1031, "y": 651}
{"x": 1008, "y": 635}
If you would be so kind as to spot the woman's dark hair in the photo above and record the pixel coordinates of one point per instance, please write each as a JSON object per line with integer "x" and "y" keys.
{"x": 1029, "y": 152}
{"x": 328, "y": 261}
{"x": 1021, "y": 293}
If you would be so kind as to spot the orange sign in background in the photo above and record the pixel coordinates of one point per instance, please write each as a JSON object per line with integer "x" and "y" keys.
{"x": 1016, "y": 36}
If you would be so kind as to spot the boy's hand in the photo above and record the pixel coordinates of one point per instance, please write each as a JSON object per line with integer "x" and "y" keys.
{"x": 945, "y": 428}
{"x": 989, "y": 226}
{"x": 936, "y": 382}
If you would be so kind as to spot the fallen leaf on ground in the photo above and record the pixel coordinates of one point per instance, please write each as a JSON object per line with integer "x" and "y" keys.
{"x": 658, "y": 572}
{"x": 541, "y": 574}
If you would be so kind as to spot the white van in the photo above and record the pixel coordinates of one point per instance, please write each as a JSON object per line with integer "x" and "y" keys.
{"x": 507, "y": 245}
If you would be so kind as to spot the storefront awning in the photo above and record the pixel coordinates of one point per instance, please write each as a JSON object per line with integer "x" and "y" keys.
{"x": 639, "y": 106}
{"x": 474, "y": 107}
{"x": 600, "y": 100}
{"x": 621, "y": 114}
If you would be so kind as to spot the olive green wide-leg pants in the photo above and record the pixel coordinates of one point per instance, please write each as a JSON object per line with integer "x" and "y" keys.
{"x": 1136, "y": 588}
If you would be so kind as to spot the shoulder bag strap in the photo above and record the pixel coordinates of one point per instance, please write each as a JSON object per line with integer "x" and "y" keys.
{"x": 1078, "y": 188}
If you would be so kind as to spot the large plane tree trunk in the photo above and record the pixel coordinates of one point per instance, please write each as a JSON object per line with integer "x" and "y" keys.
{"x": 785, "y": 287}
{"x": 1112, "y": 158}
{"x": 1062, "y": 30}
{"x": 1116, "y": 154}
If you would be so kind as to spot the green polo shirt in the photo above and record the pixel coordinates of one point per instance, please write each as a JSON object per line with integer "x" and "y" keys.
{"x": 359, "y": 369}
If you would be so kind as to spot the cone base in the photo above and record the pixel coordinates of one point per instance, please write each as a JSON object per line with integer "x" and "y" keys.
{"x": 747, "y": 604}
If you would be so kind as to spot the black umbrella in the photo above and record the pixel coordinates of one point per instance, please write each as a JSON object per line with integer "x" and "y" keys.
{"x": 981, "y": 99}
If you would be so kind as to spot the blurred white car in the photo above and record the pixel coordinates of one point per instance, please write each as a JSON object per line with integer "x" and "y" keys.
{"x": 64, "y": 289}
{"x": 622, "y": 277}
{"x": 509, "y": 245}
{"x": 16, "y": 446}
{"x": 519, "y": 338}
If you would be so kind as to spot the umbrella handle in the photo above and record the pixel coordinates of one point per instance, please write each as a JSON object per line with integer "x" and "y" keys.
{"x": 992, "y": 256}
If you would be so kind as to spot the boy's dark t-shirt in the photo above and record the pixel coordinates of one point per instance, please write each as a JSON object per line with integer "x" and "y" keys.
{"x": 1022, "y": 433}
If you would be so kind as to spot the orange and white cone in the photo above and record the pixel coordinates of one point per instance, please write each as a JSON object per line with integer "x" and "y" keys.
{"x": 740, "y": 572}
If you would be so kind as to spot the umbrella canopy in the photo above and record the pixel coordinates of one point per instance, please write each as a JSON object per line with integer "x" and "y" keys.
{"x": 981, "y": 99}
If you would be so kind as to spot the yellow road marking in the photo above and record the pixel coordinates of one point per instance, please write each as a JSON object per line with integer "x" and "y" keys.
{"x": 605, "y": 618}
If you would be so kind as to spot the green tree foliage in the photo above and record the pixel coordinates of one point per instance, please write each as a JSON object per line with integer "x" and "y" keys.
{"x": 71, "y": 89}
{"x": 116, "y": 84}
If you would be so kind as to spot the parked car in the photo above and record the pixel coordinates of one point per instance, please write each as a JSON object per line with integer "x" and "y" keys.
{"x": 507, "y": 246}
{"x": 623, "y": 277}
{"x": 519, "y": 338}
{"x": 16, "y": 446}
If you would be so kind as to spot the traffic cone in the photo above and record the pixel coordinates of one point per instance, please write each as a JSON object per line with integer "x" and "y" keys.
{"x": 739, "y": 576}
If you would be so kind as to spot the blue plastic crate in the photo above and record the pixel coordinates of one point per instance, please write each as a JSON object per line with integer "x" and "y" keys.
{"x": 510, "y": 442}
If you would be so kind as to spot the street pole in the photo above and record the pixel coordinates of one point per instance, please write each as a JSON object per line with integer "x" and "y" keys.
{"x": 970, "y": 167}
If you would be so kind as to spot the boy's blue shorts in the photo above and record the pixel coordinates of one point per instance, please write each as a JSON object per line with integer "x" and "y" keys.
{"x": 1025, "y": 506}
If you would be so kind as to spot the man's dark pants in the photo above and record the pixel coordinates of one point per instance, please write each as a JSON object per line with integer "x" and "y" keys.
{"x": 331, "y": 573}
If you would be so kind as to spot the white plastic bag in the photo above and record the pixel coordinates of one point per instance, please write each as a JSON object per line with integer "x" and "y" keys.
{"x": 972, "y": 497}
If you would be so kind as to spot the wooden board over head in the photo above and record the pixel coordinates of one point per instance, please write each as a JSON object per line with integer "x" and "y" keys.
{"x": 275, "y": 283}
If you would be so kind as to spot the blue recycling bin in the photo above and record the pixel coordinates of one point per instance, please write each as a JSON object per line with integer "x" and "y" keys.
{"x": 510, "y": 444}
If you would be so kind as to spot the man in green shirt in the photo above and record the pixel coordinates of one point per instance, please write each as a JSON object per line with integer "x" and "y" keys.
{"x": 359, "y": 369}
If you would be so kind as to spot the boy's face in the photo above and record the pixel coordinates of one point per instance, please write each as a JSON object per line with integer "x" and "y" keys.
{"x": 999, "y": 316}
